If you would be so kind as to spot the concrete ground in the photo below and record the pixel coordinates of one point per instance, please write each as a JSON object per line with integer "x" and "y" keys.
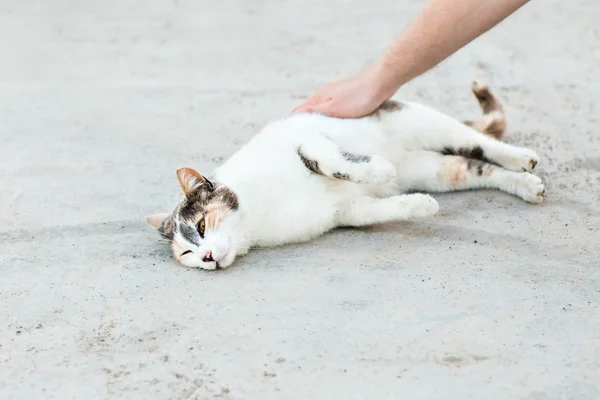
{"x": 100, "y": 103}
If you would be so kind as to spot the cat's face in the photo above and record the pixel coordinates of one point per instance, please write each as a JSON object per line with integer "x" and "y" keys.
{"x": 202, "y": 228}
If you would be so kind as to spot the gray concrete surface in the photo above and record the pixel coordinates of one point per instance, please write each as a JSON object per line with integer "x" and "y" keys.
{"x": 100, "y": 102}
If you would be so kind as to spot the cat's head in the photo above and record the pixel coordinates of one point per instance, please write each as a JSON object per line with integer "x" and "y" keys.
{"x": 202, "y": 228}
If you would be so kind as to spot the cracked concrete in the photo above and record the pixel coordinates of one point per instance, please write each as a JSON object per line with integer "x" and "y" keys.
{"x": 102, "y": 101}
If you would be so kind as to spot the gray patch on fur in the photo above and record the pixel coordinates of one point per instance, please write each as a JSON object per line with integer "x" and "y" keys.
{"x": 166, "y": 228}
{"x": 193, "y": 204}
{"x": 310, "y": 164}
{"x": 227, "y": 196}
{"x": 391, "y": 105}
{"x": 196, "y": 201}
{"x": 477, "y": 166}
{"x": 356, "y": 158}
{"x": 474, "y": 153}
{"x": 190, "y": 234}
{"x": 342, "y": 176}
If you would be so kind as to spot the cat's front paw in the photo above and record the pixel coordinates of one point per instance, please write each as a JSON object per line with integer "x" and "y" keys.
{"x": 521, "y": 159}
{"x": 377, "y": 171}
{"x": 420, "y": 205}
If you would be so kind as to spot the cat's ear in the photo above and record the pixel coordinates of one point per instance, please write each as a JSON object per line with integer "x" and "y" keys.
{"x": 156, "y": 220}
{"x": 190, "y": 180}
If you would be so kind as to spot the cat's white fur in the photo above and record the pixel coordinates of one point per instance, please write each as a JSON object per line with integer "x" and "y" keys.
{"x": 282, "y": 201}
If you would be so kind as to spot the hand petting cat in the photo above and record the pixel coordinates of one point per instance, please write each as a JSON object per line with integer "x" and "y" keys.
{"x": 354, "y": 97}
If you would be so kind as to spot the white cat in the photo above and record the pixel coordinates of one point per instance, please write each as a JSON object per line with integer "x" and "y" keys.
{"x": 307, "y": 174}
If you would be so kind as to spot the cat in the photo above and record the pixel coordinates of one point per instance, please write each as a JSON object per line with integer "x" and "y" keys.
{"x": 307, "y": 174}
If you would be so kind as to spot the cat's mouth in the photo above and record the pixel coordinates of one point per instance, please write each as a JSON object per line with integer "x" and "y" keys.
{"x": 208, "y": 259}
{"x": 206, "y": 262}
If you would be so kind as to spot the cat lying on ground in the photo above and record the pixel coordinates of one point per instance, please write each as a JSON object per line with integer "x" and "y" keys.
{"x": 307, "y": 174}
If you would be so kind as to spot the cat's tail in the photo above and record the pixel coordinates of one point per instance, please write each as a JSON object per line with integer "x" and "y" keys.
{"x": 493, "y": 122}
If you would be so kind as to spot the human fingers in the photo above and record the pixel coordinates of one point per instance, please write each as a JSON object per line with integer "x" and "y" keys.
{"x": 310, "y": 104}
{"x": 327, "y": 107}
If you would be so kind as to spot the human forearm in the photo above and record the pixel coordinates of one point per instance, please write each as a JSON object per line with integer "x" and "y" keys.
{"x": 442, "y": 28}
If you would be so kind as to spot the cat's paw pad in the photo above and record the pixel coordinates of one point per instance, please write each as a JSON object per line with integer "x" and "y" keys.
{"x": 421, "y": 205}
{"x": 377, "y": 171}
{"x": 531, "y": 188}
{"x": 521, "y": 160}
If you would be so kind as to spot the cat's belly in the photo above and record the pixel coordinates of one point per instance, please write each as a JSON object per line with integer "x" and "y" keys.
{"x": 293, "y": 217}
{"x": 291, "y": 209}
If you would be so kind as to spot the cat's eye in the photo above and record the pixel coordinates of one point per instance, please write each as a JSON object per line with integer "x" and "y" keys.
{"x": 185, "y": 252}
{"x": 201, "y": 227}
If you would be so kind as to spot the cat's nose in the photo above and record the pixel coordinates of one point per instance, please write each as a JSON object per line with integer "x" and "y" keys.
{"x": 208, "y": 257}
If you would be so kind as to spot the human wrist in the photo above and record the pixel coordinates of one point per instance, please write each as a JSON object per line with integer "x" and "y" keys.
{"x": 386, "y": 80}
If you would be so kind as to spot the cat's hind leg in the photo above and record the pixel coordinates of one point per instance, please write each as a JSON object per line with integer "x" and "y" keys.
{"x": 423, "y": 128}
{"x": 322, "y": 156}
{"x": 455, "y": 138}
{"x": 364, "y": 210}
{"x": 434, "y": 172}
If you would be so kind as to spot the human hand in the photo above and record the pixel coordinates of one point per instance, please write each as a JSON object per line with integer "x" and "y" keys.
{"x": 349, "y": 98}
